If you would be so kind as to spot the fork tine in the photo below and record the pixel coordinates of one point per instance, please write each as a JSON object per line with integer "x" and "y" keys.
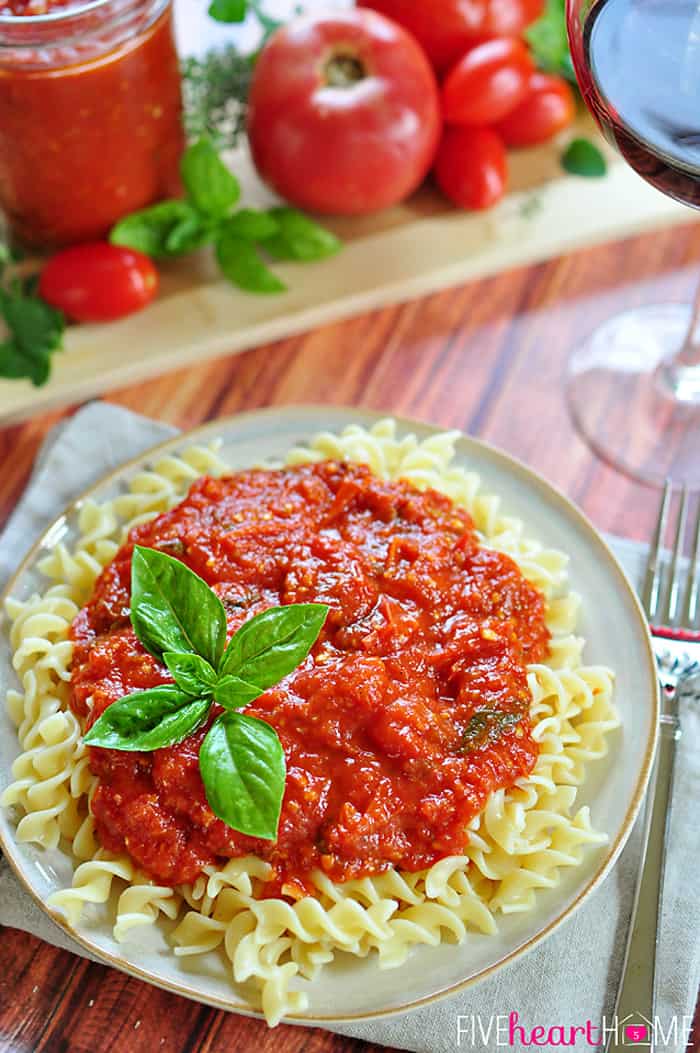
{"x": 652, "y": 579}
{"x": 691, "y": 601}
{"x": 674, "y": 592}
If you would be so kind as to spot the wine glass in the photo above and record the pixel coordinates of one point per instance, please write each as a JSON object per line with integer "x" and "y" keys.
{"x": 633, "y": 386}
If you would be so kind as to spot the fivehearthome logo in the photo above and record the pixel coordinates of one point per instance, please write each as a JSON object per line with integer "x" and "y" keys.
{"x": 508, "y": 1031}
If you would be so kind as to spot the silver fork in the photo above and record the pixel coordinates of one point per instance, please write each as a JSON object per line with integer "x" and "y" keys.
{"x": 673, "y": 608}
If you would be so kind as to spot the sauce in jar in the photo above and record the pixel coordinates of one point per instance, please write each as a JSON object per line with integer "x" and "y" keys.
{"x": 90, "y": 115}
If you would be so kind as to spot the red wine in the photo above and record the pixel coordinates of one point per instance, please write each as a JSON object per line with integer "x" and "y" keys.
{"x": 640, "y": 77}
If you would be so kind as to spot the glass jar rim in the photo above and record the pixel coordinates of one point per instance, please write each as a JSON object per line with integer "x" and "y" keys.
{"x": 53, "y": 17}
{"x": 65, "y": 27}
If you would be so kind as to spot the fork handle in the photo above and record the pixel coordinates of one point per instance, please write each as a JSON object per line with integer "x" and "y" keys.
{"x": 636, "y": 994}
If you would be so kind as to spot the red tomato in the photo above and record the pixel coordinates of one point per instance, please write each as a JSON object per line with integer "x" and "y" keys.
{"x": 508, "y": 18}
{"x": 489, "y": 82}
{"x": 344, "y": 113}
{"x": 97, "y": 282}
{"x": 446, "y": 28}
{"x": 547, "y": 109}
{"x": 470, "y": 167}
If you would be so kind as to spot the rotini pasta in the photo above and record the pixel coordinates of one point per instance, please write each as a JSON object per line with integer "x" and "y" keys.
{"x": 519, "y": 843}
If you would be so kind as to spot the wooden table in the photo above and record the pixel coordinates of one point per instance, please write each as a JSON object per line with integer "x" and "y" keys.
{"x": 488, "y": 358}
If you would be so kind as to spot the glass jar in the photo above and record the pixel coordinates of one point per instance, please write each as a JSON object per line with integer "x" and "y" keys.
{"x": 90, "y": 116}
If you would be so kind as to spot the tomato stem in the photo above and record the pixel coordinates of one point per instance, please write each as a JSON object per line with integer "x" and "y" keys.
{"x": 343, "y": 70}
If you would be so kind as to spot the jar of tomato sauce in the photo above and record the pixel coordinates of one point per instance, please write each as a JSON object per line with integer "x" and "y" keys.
{"x": 90, "y": 115}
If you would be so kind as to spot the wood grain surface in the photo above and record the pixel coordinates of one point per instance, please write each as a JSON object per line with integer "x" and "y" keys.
{"x": 489, "y": 358}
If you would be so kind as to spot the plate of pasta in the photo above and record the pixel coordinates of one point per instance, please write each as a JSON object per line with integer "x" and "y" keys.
{"x": 319, "y": 715}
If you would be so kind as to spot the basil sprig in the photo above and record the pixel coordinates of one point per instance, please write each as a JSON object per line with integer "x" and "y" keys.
{"x": 243, "y": 239}
{"x": 182, "y": 623}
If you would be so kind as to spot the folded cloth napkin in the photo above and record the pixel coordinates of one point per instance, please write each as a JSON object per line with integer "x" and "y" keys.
{"x": 565, "y": 981}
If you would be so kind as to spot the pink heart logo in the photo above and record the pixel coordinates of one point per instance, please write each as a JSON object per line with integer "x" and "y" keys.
{"x": 636, "y": 1033}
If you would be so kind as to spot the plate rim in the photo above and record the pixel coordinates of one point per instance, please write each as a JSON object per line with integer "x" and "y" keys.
{"x": 365, "y": 417}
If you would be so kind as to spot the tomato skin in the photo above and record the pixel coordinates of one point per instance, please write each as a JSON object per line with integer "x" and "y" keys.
{"x": 447, "y": 28}
{"x": 98, "y": 282}
{"x": 444, "y": 28}
{"x": 490, "y": 81}
{"x": 548, "y": 107}
{"x": 508, "y": 18}
{"x": 471, "y": 166}
{"x": 346, "y": 149}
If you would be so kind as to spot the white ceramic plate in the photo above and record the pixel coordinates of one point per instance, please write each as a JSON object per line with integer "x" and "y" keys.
{"x": 616, "y": 633}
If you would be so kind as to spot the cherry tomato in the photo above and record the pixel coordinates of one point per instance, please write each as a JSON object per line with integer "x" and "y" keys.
{"x": 343, "y": 113}
{"x": 97, "y": 282}
{"x": 548, "y": 107}
{"x": 447, "y": 28}
{"x": 470, "y": 167}
{"x": 489, "y": 82}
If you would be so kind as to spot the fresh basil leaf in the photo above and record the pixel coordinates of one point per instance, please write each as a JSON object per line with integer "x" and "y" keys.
{"x": 36, "y": 331}
{"x": 36, "y": 327}
{"x": 192, "y": 232}
{"x": 241, "y": 264}
{"x": 273, "y": 643}
{"x": 211, "y": 187}
{"x": 251, "y": 225}
{"x": 173, "y": 609}
{"x": 148, "y": 720}
{"x": 243, "y": 769}
{"x": 299, "y": 238}
{"x": 148, "y": 231}
{"x": 583, "y": 158}
{"x": 233, "y": 693}
{"x": 191, "y": 673}
{"x": 549, "y": 42}
{"x": 227, "y": 10}
{"x": 16, "y": 364}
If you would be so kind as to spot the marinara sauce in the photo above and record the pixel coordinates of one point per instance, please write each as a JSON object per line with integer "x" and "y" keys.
{"x": 410, "y": 710}
{"x": 90, "y": 115}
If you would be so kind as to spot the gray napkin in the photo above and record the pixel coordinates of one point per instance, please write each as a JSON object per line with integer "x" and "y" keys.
{"x": 567, "y": 980}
